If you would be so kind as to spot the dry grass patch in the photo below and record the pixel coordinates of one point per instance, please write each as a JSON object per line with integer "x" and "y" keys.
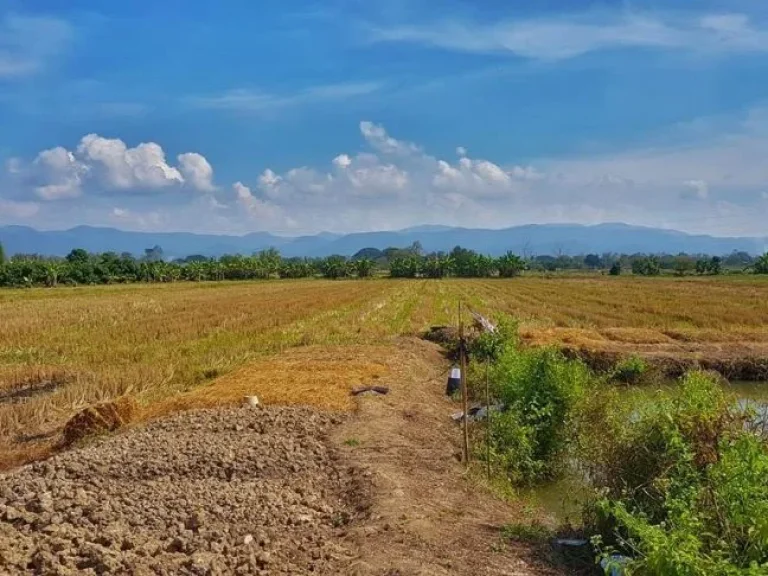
{"x": 316, "y": 376}
{"x": 635, "y": 335}
{"x": 535, "y": 336}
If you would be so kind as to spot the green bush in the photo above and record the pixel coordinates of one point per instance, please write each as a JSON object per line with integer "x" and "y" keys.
{"x": 630, "y": 370}
{"x": 682, "y": 483}
{"x": 491, "y": 346}
{"x": 540, "y": 389}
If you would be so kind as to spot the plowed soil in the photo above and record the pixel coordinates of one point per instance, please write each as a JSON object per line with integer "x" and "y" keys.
{"x": 269, "y": 491}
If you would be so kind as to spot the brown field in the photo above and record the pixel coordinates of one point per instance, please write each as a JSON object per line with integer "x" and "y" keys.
{"x": 720, "y": 323}
{"x": 187, "y": 345}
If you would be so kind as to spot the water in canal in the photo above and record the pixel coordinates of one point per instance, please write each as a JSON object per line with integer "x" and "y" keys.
{"x": 561, "y": 500}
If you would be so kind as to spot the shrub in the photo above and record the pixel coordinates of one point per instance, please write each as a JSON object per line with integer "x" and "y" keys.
{"x": 491, "y": 346}
{"x": 615, "y": 269}
{"x": 541, "y": 389}
{"x": 761, "y": 264}
{"x": 630, "y": 370}
{"x": 682, "y": 482}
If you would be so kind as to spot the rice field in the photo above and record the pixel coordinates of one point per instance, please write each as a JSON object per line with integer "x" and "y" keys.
{"x": 174, "y": 346}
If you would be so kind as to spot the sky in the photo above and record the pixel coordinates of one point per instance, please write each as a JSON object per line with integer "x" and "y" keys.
{"x": 299, "y": 117}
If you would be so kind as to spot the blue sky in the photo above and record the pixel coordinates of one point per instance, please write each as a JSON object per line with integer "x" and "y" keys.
{"x": 349, "y": 115}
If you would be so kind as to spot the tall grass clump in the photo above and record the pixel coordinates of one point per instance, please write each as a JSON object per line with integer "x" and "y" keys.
{"x": 539, "y": 390}
{"x": 631, "y": 370}
{"x": 682, "y": 483}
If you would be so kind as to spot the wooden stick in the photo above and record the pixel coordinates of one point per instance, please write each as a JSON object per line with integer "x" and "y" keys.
{"x": 464, "y": 400}
{"x": 487, "y": 423}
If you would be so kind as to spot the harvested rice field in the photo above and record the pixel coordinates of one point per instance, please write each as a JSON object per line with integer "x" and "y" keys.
{"x": 177, "y": 346}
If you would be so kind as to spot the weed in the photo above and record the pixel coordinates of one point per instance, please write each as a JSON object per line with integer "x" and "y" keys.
{"x": 532, "y": 533}
{"x": 352, "y": 442}
{"x": 630, "y": 370}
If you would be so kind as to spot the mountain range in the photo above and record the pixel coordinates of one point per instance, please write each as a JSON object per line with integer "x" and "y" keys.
{"x": 534, "y": 239}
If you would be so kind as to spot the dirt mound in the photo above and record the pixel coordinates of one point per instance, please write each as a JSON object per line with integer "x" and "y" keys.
{"x": 98, "y": 419}
{"x": 227, "y": 491}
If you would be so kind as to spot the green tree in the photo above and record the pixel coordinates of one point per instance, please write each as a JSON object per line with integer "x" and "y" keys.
{"x": 363, "y": 267}
{"x": 436, "y": 266}
{"x": 615, "y": 269}
{"x": 683, "y": 264}
{"x": 593, "y": 261}
{"x": 77, "y": 256}
{"x": 716, "y": 265}
{"x": 646, "y": 266}
{"x": 334, "y": 267}
{"x": 2, "y": 254}
{"x": 404, "y": 267}
{"x": 510, "y": 265}
{"x": 761, "y": 264}
{"x": 154, "y": 254}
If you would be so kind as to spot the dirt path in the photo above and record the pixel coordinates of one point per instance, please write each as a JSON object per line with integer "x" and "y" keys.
{"x": 426, "y": 517}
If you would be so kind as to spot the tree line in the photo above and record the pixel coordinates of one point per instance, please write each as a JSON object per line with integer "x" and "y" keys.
{"x": 80, "y": 267}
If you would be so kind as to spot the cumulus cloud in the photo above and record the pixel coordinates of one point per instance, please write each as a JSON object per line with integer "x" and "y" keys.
{"x": 126, "y": 168}
{"x": 197, "y": 171}
{"x": 717, "y": 182}
{"x": 62, "y": 173}
{"x": 109, "y": 164}
{"x": 261, "y": 211}
{"x": 394, "y": 183}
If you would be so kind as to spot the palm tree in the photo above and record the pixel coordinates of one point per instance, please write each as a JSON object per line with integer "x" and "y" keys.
{"x": 510, "y": 265}
{"x": 364, "y": 267}
{"x": 761, "y": 264}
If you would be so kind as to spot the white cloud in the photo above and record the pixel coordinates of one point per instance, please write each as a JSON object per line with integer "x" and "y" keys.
{"x": 197, "y": 171}
{"x": 109, "y": 164}
{"x": 28, "y": 42}
{"x": 342, "y": 161}
{"x": 565, "y": 37}
{"x": 398, "y": 175}
{"x": 461, "y": 151}
{"x": 380, "y": 141}
{"x": 250, "y": 100}
{"x": 392, "y": 184}
{"x": 262, "y": 212}
{"x": 126, "y": 168}
{"x": 61, "y": 173}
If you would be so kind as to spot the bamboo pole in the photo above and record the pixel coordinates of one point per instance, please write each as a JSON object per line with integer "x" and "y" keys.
{"x": 487, "y": 423}
{"x": 464, "y": 400}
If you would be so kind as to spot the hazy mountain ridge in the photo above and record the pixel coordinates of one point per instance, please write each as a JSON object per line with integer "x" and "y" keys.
{"x": 529, "y": 239}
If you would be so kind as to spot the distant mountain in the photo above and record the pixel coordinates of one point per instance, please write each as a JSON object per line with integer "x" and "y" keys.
{"x": 530, "y": 239}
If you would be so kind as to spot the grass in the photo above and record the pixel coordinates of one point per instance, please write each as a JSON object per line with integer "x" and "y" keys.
{"x": 187, "y": 345}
